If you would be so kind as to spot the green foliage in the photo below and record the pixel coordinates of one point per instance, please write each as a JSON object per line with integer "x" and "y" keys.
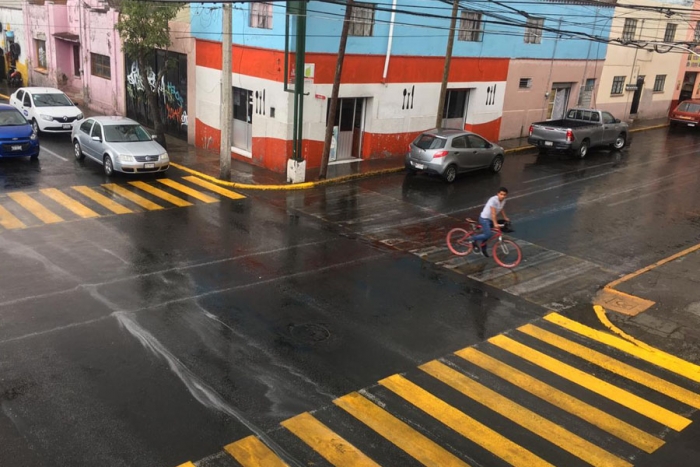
{"x": 143, "y": 27}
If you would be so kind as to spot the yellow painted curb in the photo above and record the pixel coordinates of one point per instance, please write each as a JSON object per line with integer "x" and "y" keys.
{"x": 603, "y": 318}
{"x": 5, "y": 97}
{"x": 653, "y": 127}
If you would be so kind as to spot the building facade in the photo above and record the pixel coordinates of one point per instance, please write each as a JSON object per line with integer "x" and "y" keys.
{"x": 13, "y": 44}
{"x": 687, "y": 85}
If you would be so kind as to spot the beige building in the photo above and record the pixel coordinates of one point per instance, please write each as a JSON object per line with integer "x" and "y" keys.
{"x": 640, "y": 82}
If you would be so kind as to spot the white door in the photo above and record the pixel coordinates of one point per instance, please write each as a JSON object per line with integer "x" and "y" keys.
{"x": 349, "y": 119}
{"x": 455, "y": 111}
{"x": 558, "y": 101}
{"x": 242, "y": 119}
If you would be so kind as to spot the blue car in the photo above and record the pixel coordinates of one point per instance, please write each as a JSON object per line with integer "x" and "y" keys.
{"x": 17, "y": 138}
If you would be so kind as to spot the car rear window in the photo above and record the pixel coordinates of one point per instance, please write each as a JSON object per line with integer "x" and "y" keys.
{"x": 426, "y": 141}
{"x": 689, "y": 107}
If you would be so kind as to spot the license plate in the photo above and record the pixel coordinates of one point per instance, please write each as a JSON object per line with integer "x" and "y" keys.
{"x": 67, "y": 126}
{"x": 418, "y": 166}
{"x": 548, "y": 143}
{"x": 149, "y": 166}
{"x": 16, "y": 147}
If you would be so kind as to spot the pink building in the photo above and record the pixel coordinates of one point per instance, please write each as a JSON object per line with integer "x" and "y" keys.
{"x": 687, "y": 85}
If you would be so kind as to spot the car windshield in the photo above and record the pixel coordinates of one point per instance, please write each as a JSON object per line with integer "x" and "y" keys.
{"x": 51, "y": 100}
{"x": 12, "y": 118}
{"x": 426, "y": 141}
{"x": 126, "y": 133}
{"x": 689, "y": 107}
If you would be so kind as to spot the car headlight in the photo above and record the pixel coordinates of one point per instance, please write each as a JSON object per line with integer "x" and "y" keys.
{"x": 48, "y": 118}
{"x": 164, "y": 157}
{"x": 80, "y": 117}
{"x": 34, "y": 136}
{"x": 126, "y": 158}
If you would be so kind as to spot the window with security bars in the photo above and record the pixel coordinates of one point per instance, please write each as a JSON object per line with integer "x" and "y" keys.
{"x": 586, "y": 93}
{"x": 629, "y": 29}
{"x": 525, "y": 83}
{"x": 361, "y": 19}
{"x": 470, "y": 26}
{"x": 659, "y": 83}
{"x": 533, "y": 30}
{"x": 617, "y": 85}
{"x": 100, "y": 65}
{"x": 670, "y": 34}
{"x": 40, "y": 54}
{"x": 697, "y": 32}
{"x": 261, "y": 15}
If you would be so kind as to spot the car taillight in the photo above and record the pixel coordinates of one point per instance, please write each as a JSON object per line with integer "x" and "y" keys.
{"x": 569, "y": 136}
{"x": 409, "y": 148}
{"x": 530, "y": 133}
{"x": 439, "y": 154}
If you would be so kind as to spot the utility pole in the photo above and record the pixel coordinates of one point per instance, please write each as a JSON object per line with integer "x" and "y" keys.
{"x": 336, "y": 89}
{"x": 226, "y": 110}
{"x": 448, "y": 59}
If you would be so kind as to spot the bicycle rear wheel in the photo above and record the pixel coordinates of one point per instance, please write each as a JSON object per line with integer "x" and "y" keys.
{"x": 458, "y": 241}
{"x": 507, "y": 253}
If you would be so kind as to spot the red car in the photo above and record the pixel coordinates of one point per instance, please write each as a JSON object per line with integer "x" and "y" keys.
{"x": 687, "y": 114}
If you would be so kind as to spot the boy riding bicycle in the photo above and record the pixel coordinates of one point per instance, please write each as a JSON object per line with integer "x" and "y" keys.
{"x": 489, "y": 218}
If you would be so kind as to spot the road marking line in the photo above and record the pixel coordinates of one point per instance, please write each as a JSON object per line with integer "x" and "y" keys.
{"x": 43, "y": 148}
{"x": 611, "y": 364}
{"x": 140, "y": 200}
{"x": 622, "y": 302}
{"x": 161, "y": 194}
{"x": 397, "y": 432}
{"x": 555, "y": 434}
{"x": 214, "y": 188}
{"x": 590, "y": 382}
{"x": 648, "y": 354}
{"x": 324, "y": 441}
{"x": 35, "y": 208}
{"x": 187, "y": 190}
{"x": 69, "y": 203}
{"x": 103, "y": 200}
{"x": 596, "y": 417}
{"x": 463, "y": 424}
{"x": 9, "y": 221}
{"x": 187, "y": 464}
{"x": 653, "y": 266}
{"x": 251, "y": 452}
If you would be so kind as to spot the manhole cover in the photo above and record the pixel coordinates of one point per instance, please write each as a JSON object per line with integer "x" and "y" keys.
{"x": 309, "y": 332}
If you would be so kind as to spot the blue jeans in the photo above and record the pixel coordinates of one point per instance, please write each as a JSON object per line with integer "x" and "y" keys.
{"x": 486, "y": 232}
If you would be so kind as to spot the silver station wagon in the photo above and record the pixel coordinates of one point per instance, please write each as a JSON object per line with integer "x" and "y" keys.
{"x": 119, "y": 144}
{"x": 447, "y": 152}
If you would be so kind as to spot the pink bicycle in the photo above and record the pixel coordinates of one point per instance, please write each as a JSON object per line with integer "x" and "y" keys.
{"x": 505, "y": 252}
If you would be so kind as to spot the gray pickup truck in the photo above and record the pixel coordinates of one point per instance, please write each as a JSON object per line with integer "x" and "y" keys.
{"x": 580, "y": 130}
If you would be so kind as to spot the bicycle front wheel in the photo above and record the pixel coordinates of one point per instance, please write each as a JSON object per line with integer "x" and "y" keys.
{"x": 458, "y": 241}
{"x": 507, "y": 253}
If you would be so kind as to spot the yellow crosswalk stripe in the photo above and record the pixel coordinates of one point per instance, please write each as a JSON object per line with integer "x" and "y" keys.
{"x": 596, "y": 385}
{"x": 9, "y": 221}
{"x": 564, "y": 401}
{"x": 69, "y": 203}
{"x": 615, "y": 366}
{"x": 187, "y": 190}
{"x": 33, "y": 206}
{"x": 140, "y": 200}
{"x": 655, "y": 357}
{"x": 161, "y": 194}
{"x": 102, "y": 200}
{"x": 524, "y": 417}
{"x": 463, "y": 424}
{"x": 324, "y": 441}
{"x": 186, "y": 464}
{"x": 214, "y": 188}
{"x": 251, "y": 452}
{"x": 399, "y": 433}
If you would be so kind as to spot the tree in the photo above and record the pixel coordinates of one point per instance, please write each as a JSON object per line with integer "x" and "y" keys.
{"x": 144, "y": 27}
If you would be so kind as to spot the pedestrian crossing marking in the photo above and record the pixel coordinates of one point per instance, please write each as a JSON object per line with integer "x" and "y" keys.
{"x": 592, "y": 383}
{"x": 9, "y": 221}
{"x": 133, "y": 197}
{"x": 524, "y": 417}
{"x": 69, "y": 203}
{"x": 463, "y": 424}
{"x": 634, "y": 374}
{"x": 34, "y": 207}
{"x": 187, "y": 464}
{"x": 187, "y": 190}
{"x": 415, "y": 444}
{"x": 328, "y": 444}
{"x": 161, "y": 194}
{"x": 606, "y": 422}
{"x": 213, "y": 187}
{"x": 102, "y": 200}
{"x": 654, "y": 356}
{"x": 251, "y": 452}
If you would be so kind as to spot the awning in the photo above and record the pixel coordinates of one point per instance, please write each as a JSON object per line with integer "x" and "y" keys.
{"x": 67, "y": 36}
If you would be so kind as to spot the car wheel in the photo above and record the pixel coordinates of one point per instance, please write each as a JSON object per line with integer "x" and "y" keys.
{"x": 34, "y": 157}
{"x": 35, "y": 127}
{"x": 583, "y": 150}
{"x": 109, "y": 168}
{"x": 78, "y": 152}
{"x": 410, "y": 170}
{"x": 450, "y": 173}
{"x": 497, "y": 164}
{"x": 620, "y": 141}
{"x": 543, "y": 151}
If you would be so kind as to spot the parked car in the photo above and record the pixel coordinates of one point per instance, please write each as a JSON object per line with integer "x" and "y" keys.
{"x": 687, "y": 113}
{"x": 17, "y": 139}
{"x": 119, "y": 144}
{"x": 447, "y": 152}
{"x": 580, "y": 130}
{"x": 47, "y": 109}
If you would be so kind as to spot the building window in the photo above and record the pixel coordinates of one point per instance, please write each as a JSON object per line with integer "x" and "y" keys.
{"x": 470, "y": 26}
{"x": 533, "y": 30}
{"x": 100, "y": 66}
{"x": 629, "y": 30}
{"x": 40, "y": 54}
{"x": 525, "y": 83}
{"x": 670, "y": 34}
{"x": 261, "y": 15}
{"x": 659, "y": 83}
{"x": 618, "y": 84}
{"x": 76, "y": 60}
{"x": 697, "y": 31}
{"x": 361, "y": 19}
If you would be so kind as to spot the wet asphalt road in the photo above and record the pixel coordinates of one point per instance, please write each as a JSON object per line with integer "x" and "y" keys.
{"x": 155, "y": 337}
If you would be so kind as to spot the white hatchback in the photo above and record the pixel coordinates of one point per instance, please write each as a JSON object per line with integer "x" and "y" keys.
{"x": 47, "y": 109}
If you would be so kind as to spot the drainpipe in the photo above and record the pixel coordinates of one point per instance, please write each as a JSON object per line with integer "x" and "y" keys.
{"x": 391, "y": 40}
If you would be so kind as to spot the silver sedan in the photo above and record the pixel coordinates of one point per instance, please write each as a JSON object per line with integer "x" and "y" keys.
{"x": 119, "y": 144}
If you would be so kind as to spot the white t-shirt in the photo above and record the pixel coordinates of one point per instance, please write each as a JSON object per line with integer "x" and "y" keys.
{"x": 492, "y": 203}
